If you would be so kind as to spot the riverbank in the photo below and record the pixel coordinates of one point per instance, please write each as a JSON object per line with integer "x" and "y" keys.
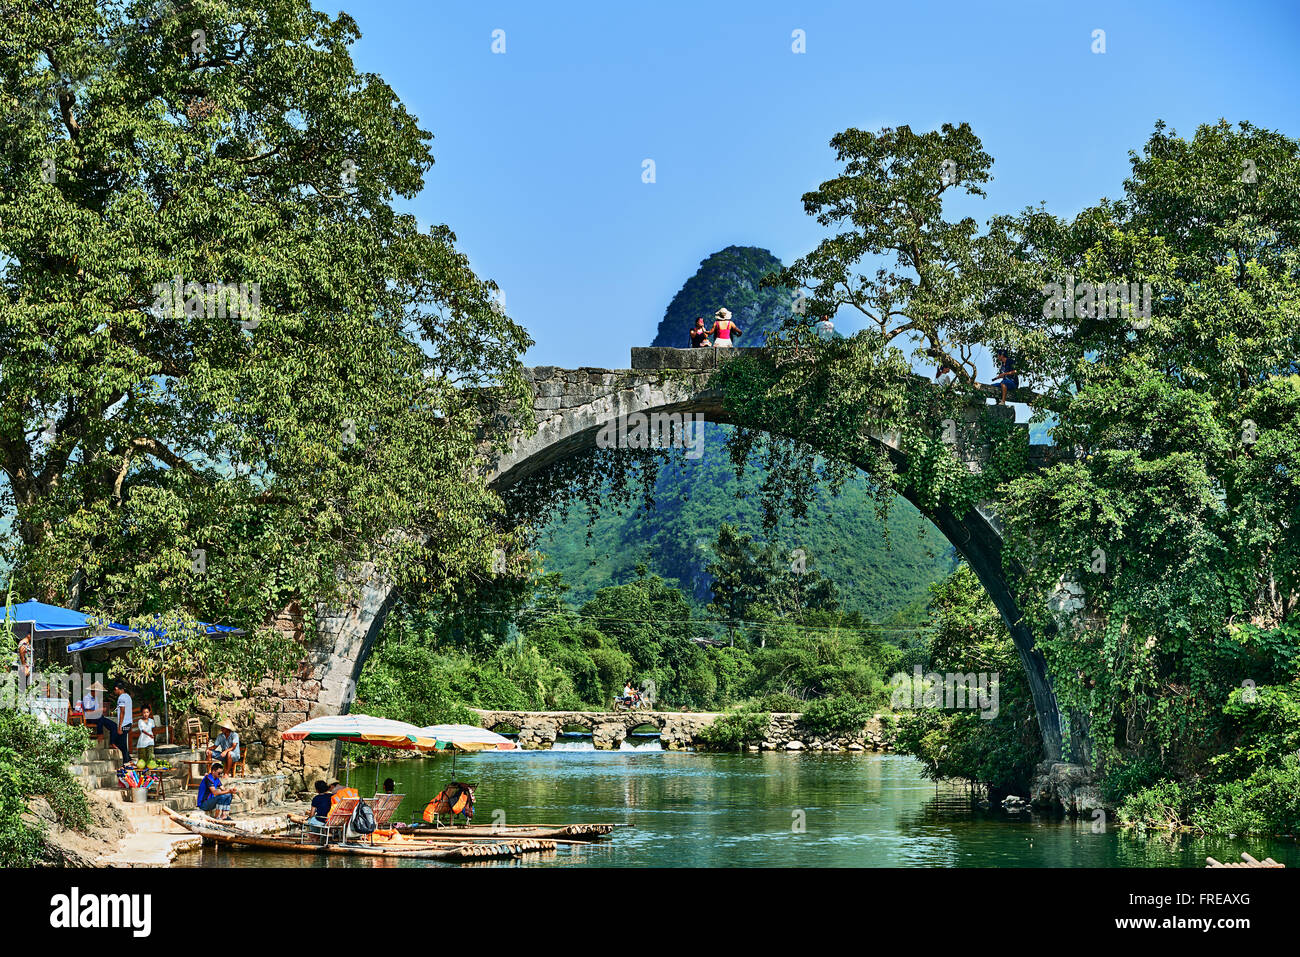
{"x": 136, "y": 835}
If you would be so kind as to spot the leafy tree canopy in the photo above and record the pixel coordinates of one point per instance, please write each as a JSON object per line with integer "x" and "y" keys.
{"x": 170, "y": 447}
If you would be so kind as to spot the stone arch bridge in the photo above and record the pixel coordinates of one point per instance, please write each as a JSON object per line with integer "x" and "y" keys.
{"x": 572, "y": 407}
{"x": 538, "y": 730}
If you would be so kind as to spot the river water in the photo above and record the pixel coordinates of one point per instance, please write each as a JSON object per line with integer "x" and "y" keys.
{"x": 757, "y": 810}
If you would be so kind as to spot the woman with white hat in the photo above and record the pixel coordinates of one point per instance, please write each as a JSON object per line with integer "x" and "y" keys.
{"x": 724, "y": 330}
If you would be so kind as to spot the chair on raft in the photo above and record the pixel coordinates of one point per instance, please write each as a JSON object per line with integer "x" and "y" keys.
{"x": 385, "y": 806}
{"x": 337, "y": 821}
{"x": 456, "y": 799}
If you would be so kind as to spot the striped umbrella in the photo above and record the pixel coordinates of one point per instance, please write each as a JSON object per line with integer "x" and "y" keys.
{"x": 466, "y": 737}
{"x": 362, "y": 729}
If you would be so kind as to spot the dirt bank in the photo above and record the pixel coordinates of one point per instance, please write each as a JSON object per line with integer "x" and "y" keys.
{"x": 68, "y": 848}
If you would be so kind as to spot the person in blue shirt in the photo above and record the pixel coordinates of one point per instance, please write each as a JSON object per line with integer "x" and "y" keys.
{"x": 320, "y": 804}
{"x": 214, "y": 798}
{"x": 1007, "y": 373}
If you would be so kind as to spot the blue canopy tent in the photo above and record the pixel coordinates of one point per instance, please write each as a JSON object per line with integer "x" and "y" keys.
{"x": 152, "y": 636}
{"x": 39, "y": 620}
{"x": 156, "y": 637}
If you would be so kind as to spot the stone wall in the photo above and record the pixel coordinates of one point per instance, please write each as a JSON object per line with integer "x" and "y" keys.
{"x": 788, "y": 733}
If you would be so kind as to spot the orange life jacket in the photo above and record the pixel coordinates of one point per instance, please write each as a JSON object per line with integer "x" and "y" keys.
{"x": 342, "y": 793}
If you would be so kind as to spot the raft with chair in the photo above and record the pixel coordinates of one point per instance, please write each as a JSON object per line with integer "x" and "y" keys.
{"x": 484, "y": 832}
{"x": 456, "y": 800}
{"x": 221, "y": 832}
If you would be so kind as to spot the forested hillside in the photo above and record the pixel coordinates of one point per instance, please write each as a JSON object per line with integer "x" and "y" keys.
{"x": 880, "y": 568}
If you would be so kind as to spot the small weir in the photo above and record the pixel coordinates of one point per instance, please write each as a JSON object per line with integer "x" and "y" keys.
{"x": 583, "y": 742}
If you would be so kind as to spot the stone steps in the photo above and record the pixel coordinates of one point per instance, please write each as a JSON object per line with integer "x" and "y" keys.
{"x": 95, "y": 781}
{"x": 254, "y": 792}
{"x": 99, "y": 754}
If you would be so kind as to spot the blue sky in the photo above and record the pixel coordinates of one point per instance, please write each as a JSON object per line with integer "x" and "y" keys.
{"x": 539, "y": 150}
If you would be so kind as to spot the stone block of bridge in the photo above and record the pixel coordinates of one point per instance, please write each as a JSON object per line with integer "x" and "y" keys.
{"x": 648, "y": 358}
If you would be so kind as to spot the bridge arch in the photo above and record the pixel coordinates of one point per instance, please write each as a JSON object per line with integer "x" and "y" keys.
{"x": 575, "y": 406}
{"x": 572, "y": 406}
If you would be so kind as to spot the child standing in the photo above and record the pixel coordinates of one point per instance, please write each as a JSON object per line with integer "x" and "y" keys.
{"x": 144, "y": 743}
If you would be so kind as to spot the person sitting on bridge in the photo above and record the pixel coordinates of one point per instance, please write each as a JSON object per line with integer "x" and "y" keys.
{"x": 724, "y": 329}
{"x": 699, "y": 335}
{"x": 945, "y": 375}
{"x": 1007, "y": 373}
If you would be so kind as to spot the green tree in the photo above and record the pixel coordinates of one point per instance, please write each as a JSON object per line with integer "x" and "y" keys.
{"x": 193, "y": 452}
{"x": 967, "y": 636}
{"x": 756, "y": 582}
{"x": 1176, "y": 519}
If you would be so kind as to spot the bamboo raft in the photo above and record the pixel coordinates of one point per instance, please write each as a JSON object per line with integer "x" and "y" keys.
{"x": 228, "y": 834}
{"x": 1246, "y": 861}
{"x": 582, "y": 833}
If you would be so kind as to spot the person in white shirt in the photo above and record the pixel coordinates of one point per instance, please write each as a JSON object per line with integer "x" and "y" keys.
{"x": 123, "y": 721}
{"x": 91, "y": 708}
{"x": 145, "y": 742}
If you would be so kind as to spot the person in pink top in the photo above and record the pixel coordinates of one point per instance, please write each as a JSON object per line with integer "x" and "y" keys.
{"x": 724, "y": 330}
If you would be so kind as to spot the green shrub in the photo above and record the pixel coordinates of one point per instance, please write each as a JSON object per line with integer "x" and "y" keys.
{"x": 34, "y": 760}
{"x": 780, "y": 703}
{"x": 1166, "y": 804}
{"x": 1129, "y": 775}
{"x": 734, "y": 730}
{"x": 843, "y": 714}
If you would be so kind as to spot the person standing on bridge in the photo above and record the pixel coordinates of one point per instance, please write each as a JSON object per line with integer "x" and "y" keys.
{"x": 724, "y": 330}
{"x": 699, "y": 335}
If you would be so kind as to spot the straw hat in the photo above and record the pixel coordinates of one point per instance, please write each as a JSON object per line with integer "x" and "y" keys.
{"x": 723, "y": 313}
{"x": 97, "y": 687}
{"x": 225, "y": 725}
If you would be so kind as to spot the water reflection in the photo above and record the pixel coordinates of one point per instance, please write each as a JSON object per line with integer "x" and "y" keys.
{"x": 757, "y": 810}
